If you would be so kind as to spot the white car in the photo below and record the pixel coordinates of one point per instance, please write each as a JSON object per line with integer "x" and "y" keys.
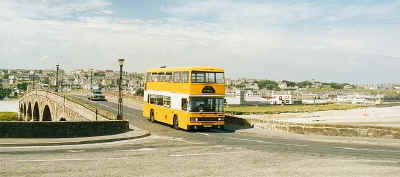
{"x": 96, "y": 95}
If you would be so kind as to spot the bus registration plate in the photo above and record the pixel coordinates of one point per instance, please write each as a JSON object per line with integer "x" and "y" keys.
{"x": 207, "y": 125}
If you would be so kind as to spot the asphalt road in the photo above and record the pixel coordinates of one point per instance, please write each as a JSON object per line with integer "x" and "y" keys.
{"x": 170, "y": 152}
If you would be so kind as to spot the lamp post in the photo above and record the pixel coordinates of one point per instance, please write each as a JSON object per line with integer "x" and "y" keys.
{"x": 120, "y": 106}
{"x": 57, "y": 77}
{"x": 91, "y": 80}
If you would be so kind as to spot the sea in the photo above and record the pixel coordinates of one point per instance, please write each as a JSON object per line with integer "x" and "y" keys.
{"x": 8, "y": 105}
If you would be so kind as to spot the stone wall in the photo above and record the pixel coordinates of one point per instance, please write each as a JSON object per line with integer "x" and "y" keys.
{"x": 61, "y": 107}
{"x": 317, "y": 128}
{"x": 61, "y": 129}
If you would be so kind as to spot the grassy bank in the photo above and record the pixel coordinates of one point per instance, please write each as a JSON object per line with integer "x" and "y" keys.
{"x": 276, "y": 109}
{"x": 8, "y": 116}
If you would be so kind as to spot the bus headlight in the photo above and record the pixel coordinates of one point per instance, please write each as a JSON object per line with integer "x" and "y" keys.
{"x": 194, "y": 119}
{"x": 220, "y": 119}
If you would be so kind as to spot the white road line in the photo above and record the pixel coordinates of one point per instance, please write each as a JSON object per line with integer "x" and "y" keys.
{"x": 365, "y": 149}
{"x": 138, "y": 150}
{"x": 299, "y": 145}
{"x": 257, "y": 141}
{"x": 201, "y": 154}
{"x": 204, "y": 134}
{"x": 182, "y": 140}
{"x": 58, "y": 160}
{"x": 266, "y": 142}
{"x": 53, "y": 160}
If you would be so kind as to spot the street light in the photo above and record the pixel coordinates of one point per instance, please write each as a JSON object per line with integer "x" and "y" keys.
{"x": 120, "y": 106}
{"x": 57, "y": 77}
{"x": 91, "y": 80}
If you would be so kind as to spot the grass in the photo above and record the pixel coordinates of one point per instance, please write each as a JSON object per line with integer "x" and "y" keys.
{"x": 277, "y": 109}
{"x": 8, "y": 116}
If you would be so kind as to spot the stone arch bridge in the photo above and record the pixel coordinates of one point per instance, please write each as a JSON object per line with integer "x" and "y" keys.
{"x": 43, "y": 105}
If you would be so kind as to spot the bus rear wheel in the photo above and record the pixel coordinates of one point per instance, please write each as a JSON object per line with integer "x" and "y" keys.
{"x": 151, "y": 116}
{"x": 175, "y": 122}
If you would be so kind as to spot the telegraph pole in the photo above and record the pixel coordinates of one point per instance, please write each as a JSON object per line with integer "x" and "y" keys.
{"x": 57, "y": 77}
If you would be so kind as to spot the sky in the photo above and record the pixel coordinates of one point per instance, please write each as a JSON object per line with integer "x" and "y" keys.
{"x": 328, "y": 40}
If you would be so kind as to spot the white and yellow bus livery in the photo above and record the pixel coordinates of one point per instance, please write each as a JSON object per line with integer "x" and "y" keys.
{"x": 187, "y": 98}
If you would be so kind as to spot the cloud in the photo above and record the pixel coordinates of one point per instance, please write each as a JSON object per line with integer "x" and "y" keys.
{"x": 264, "y": 40}
{"x": 52, "y": 9}
{"x": 287, "y": 12}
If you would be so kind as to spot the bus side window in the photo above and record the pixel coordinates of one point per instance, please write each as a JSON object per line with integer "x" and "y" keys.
{"x": 177, "y": 77}
{"x": 154, "y": 77}
{"x": 161, "y": 77}
{"x": 152, "y": 99}
{"x": 184, "y": 104}
{"x": 160, "y": 101}
{"x": 185, "y": 77}
{"x": 167, "y": 101}
{"x": 168, "y": 77}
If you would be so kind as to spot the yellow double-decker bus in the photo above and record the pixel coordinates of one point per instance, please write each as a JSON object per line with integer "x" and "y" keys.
{"x": 187, "y": 98}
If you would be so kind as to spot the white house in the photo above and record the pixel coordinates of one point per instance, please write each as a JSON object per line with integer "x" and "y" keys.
{"x": 281, "y": 99}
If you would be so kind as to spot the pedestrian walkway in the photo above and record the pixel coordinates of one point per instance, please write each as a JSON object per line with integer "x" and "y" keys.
{"x": 135, "y": 133}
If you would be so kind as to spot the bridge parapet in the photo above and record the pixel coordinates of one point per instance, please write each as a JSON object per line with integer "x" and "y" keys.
{"x": 45, "y": 105}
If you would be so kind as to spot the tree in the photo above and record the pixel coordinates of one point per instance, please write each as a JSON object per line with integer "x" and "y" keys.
{"x": 46, "y": 81}
{"x": 139, "y": 92}
{"x": 268, "y": 84}
{"x": 4, "y": 93}
{"x": 22, "y": 86}
{"x": 289, "y": 83}
{"x": 304, "y": 84}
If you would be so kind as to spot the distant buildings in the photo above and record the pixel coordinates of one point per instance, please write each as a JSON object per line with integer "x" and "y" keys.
{"x": 300, "y": 92}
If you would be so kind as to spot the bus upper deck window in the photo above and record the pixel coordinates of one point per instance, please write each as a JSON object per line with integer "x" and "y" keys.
{"x": 177, "y": 77}
{"x": 168, "y": 77}
{"x": 220, "y": 78}
{"x": 185, "y": 77}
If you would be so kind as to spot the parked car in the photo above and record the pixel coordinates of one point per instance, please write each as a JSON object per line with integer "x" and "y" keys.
{"x": 96, "y": 95}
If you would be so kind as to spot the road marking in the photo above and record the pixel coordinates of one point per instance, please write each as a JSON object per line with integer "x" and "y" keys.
{"x": 58, "y": 160}
{"x": 365, "y": 149}
{"x": 204, "y": 134}
{"x": 201, "y": 154}
{"x": 74, "y": 151}
{"x": 53, "y": 160}
{"x": 266, "y": 142}
{"x": 257, "y": 141}
{"x": 299, "y": 145}
{"x": 183, "y": 140}
{"x": 138, "y": 150}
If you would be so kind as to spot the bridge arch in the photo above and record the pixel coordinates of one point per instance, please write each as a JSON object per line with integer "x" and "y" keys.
{"x": 24, "y": 113}
{"x": 21, "y": 111}
{"x": 46, "y": 114}
{"x": 36, "y": 113}
{"x": 29, "y": 112}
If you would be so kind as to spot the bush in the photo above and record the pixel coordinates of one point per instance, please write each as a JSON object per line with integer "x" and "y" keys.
{"x": 8, "y": 116}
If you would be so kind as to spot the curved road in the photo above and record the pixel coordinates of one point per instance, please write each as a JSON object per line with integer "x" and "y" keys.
{"x": 170, "y": 152}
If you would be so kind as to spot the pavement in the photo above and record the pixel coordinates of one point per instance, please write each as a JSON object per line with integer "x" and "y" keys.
{"x": 370, "y": 116}
{"x": 134, "y": 133}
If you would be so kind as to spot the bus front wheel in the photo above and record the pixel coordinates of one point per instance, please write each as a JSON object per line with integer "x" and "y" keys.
{"x": 151, "y": 116}
{"x": 175, "y": 122}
